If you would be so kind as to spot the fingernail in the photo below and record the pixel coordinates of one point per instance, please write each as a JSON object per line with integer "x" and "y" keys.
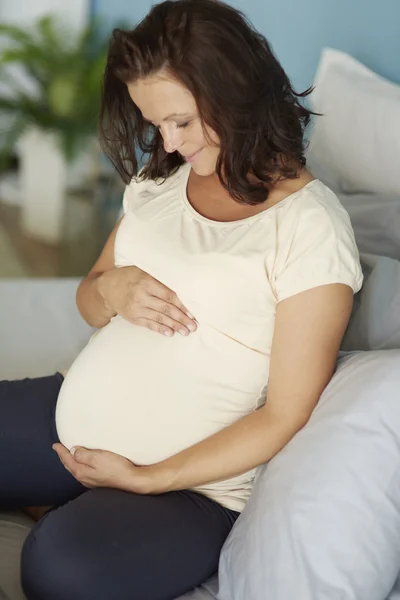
{"x": 190, "y": 315}
{"x": 191, "y": 327}
{"x": 168, "y": 333}
{"x": 72, "y": 451}
{"x": 183, "y": 332}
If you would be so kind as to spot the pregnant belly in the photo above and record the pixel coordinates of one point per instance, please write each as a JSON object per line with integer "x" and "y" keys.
{"x": 145, "y": 396}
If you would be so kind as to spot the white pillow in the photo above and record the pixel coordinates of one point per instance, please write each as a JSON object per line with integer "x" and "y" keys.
{"x": 355, "y": 146}
{"x": 323, "y": 522}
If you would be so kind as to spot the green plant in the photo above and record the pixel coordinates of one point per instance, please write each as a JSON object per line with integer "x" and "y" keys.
{"x": 66, "y": 70}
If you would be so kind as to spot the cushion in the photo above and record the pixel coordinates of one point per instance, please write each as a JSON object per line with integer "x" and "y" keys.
{"x": 376, "y": 222}
{"x": 375, "y": 320}
{"x": 14, "y": 528}
{"x": 395, "y": 593}
{"x": 323, "y": 522}
{"x": 42, "y": 326}
{"x": 355, "y": 146}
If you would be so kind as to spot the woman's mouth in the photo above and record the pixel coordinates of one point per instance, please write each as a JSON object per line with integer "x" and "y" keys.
{"x": 192, "y": 157}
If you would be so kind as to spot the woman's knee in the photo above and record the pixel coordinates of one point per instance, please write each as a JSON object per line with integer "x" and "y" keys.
{"x": 53, "y": 563}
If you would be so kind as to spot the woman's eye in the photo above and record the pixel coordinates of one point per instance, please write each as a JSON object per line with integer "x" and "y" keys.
{"x": 183, "y": 125}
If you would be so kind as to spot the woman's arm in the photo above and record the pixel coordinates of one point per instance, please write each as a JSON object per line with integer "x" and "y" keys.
{"x": 89, "y": 299}
{"x": 309, "y": 328}
{"x": 131, "y": 293}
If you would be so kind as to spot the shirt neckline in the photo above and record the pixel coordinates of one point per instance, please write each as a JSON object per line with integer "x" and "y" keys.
{"x": 185, "y": 172}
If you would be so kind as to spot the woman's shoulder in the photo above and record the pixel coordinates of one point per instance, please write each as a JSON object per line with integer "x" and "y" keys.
{"x": 142, "y": 191}
{"x": 314, "y": 205}
{"x": 315, "y": 243}
{"x": 315, "y": 222}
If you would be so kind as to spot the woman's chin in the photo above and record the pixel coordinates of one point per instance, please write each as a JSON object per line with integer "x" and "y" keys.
{"x": 202, "y": 170}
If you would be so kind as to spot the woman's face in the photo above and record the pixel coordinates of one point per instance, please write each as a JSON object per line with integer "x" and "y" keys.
{"x": 170, "y": 106}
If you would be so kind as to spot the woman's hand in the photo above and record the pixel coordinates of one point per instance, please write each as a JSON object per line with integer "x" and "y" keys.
{"x": 100, "y": 468}
{"x": 143, "y": 300}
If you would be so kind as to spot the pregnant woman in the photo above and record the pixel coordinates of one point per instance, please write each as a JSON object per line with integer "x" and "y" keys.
{"x": 220, "y": 298}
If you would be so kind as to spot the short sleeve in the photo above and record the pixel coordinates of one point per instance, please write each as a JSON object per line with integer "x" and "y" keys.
{"x": 315, "y": 246}
{"x": 129, "y": 192}
{"x": 125, "y": 199}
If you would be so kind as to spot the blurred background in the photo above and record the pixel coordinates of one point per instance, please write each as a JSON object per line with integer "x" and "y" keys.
{"x": 59, "y": 196}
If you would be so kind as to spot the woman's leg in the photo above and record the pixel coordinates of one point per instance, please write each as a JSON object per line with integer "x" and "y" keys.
{"x": 31, "y": 473}
{"x": 113, "y": 544}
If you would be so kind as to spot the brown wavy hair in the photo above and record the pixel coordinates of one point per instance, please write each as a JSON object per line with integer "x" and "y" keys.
{"x": 240, "y": 89}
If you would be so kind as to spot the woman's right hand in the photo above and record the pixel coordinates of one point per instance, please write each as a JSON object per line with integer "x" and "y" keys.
{"x": 143, "y": 300}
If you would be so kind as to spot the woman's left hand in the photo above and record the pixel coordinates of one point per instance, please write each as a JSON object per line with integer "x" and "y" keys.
{"x": 100, "y": 468}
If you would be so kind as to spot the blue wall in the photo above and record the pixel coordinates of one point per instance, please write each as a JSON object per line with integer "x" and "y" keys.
{"x": 298, "y": 30}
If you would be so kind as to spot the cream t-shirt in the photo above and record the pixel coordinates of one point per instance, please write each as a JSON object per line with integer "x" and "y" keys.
{"x": 146, "y": 396}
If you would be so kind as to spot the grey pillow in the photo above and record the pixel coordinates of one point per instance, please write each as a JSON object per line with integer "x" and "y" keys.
{"x": 14, "y": 527}
{"x": 375, "y": 321}
{"x": 376, "y": 222}
{"x": 323, "y": 522}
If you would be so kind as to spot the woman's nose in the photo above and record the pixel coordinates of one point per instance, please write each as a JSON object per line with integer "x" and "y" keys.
{"x": 171, "y": 140}
{"x": 170, "y": 145}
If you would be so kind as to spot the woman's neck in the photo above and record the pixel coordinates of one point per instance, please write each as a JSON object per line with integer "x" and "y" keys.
{"x": 208, "y": 197}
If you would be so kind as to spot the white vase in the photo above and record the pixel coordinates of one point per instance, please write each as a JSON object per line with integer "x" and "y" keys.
{"x": 43, "y": 174}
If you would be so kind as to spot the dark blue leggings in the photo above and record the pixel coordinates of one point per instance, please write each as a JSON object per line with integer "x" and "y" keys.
{"x": 103, "y": 543}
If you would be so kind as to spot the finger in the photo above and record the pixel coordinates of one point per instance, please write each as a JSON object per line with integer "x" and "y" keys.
{"x": 63, "y": 464}
{"x": 66, "y": 458}
{"x": 83, "y": 455}
{"x": 80, "y": 472}
{"x": 164, "y": 320}
{"x": 59, "y": 447}
{"x": 175, "y": 318}
{"x": 161, "y": 291}
{"x": 62, "y": 451}
{"x": 163, "y": 329}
